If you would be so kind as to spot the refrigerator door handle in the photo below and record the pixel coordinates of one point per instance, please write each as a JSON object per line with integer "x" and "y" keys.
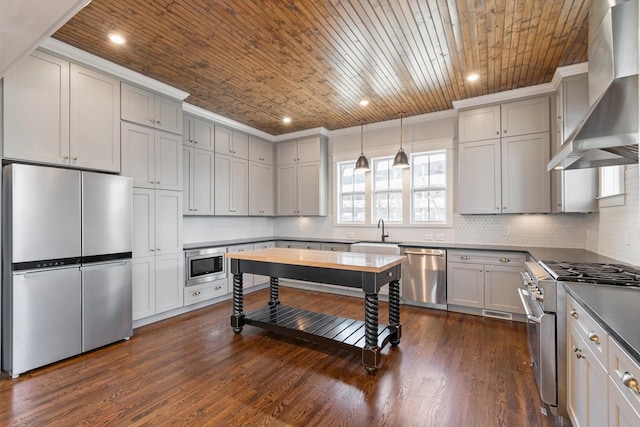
{"x": 97, "y": 266}
{"x": 47, "y": 272}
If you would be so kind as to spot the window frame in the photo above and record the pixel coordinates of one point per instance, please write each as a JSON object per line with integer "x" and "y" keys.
{"x": 444, "y": 187}
{"x": 617, "y": 196}
{"x": 340, "y": 193}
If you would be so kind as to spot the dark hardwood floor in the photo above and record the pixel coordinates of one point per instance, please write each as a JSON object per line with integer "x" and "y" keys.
{"x": 449, "y": 370}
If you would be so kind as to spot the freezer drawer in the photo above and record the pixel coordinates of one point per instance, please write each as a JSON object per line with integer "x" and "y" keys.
{"x": 45, "y": 323}
{"x": 106, "y": 304}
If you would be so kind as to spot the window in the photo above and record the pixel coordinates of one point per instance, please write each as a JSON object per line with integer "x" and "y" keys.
{"x": 611, "y": 181}
{"x": 351, "y": 195}
{"x": 428, "y": 187}
{"x": 418, "y": 195}
{"x": 387, "y": 190}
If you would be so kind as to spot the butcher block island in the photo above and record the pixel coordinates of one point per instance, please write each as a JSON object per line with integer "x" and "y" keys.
{"x": 366, "y": 271}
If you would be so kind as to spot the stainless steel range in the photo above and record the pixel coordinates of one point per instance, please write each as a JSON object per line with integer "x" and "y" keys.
{"x": 544, "y": 300}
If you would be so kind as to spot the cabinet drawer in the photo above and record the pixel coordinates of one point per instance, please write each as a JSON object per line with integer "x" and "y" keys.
{"x": 205, "y": 291}
{"x": 593, "y": 335}
{"x": 342, "y": 247}
{"x": 623, "y": 368}
{"x": 487, "y": 257}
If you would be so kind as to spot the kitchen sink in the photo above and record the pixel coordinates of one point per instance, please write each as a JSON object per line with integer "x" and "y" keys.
{"x": 386, "y": 248}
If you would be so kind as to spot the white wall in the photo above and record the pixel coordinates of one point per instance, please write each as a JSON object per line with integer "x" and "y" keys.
{"x": 211, "y": 229}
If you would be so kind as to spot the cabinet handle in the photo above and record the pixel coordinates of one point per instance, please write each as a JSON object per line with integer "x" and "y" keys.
{"x": 575, "y": 349}
{"x": 497, "y": 132}
{"x": 158, "y": 122}
{"x": 574, "y": 314}
{"x": 195, "y": 294}
{"x": 579, "y": 355}
{"x": 497, "y": 208}
{"x": 504, "y": 207}
{"x": 465, "y": 257}
{"x": 481, "y": 271}
{"x": 157, "y": 249}
{"x": 75, "y": 158}
{"x": 152, "y": 121}
{"x": 334, "y": 249}
{"x": 152, "y": 250}
{"x": 65, "y": 157}
{"x": 194, "y": 141}
{"x": 217, "y": 288}
{"x": 628, "y": 380}
{"x": 505, "y": 260}
{"x": 505, "y": 131}
{"x": 594, "y": 337}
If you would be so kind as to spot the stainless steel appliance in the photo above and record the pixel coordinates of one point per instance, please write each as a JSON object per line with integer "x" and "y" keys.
{"x": 66, "y": 279}
{"x": 204, "y": 265}
{"x": 424, "y": 277}
{"x": 544, "y": 300}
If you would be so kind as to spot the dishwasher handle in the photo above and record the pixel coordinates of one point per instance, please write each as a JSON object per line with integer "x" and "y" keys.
{"x": 431, "y": 253}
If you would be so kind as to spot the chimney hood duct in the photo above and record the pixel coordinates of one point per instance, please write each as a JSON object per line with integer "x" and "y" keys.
{"x": 608, "y": 135}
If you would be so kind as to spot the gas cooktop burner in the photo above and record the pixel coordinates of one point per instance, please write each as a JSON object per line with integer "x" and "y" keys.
{"x": 604, "y": 274}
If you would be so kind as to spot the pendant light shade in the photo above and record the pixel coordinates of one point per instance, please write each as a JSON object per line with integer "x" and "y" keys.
{"x": 362, "y": 164}
{"x": 401, "y": 160}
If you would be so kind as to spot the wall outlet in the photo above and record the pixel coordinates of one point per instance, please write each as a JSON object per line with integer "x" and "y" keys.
{"x": 428, "y": 237}
{"x": 349, "y": 235}
{"x": 505, "y": 230}
{"x": 440, "y": 237}
{"x": 627, "y": 238}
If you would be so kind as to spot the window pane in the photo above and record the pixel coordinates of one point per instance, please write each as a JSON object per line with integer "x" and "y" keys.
{"x": 346, "y": 175}
{"x": 437, "y": 170}
{"x": 381, "y": 175}
{"x": 437, "y": 206}
{"x": 358, "y": 208}
{"x": 346, "y": 208}
{"x": 350, "y": 197}
{"x": 421, "y": 206}
{"x": 429, "y": 181}
{"x": 358, "y": 181}
{"x": 388, "y": 206}
{"x": 420, "y": 170}
{"x": 395, "y": 178}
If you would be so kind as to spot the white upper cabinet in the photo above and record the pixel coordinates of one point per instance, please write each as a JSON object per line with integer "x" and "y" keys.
{"x": 504, "y": 169}
{"x": 231, "y": 143}
{"x": 146, "y": 108}
{"x": 77, "y": 113}
{"x": 198, "y": 133}
{"x": 261, "y": 189}
{"x": 260, "y": 151}
{"x": 198, "y": 181}
{"x": 152, "y": 158}
{"x": 231, "y": 185}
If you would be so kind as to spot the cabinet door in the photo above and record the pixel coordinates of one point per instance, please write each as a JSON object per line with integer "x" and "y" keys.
{"x": 36, "y": 91}
{"x": 287, "y": 153}
{"x": 204, "y": 135}
{"x": 138, "y": 154}
{"x": 479, "y": 177}
{"x": 240, "y": 146}
{"x": 309, "y": 150}
{"x": 260, "y": 151}
{"x": 621, "y": 412}
{"x": 144, "y": 287}
{"x": 168, "y": 161}
{"x": 168, "y": 114}
{"x": 188, "y": 130}
{"x": 479, "y": 124}
{"x": 222, "y": 181}
{"x": 309, "y": 188}
{"x": 501, "y": 285}
{"x": 169, "y": 282}
{"x": 144, "y": 216}
{"x": 465, "y": 284}
{"x": 576, "y": 380}
{"x": 261, "y": 186}
{"x": 287, "y": 190}
{"x": 223, "y": 140}
{"x": 525, "y": 180}
{"x": 188, "y": 169}
{"x": 240, "y": 187}
{"x": 203, "y": 182}
{"x": 95, "y": 120}
{"x": 525, "y": 117}
{"x": 168, "y": 210}
{"x": 137, "y": 105}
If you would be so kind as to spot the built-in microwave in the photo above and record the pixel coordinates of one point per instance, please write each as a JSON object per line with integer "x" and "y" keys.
{"x": 204, "y": 265}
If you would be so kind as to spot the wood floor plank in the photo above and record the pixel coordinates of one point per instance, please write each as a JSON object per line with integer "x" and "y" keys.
{"x": 450, "y": 369}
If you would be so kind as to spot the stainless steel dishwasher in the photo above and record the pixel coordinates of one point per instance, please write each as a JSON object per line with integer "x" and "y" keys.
{"x": 424, "y": 278}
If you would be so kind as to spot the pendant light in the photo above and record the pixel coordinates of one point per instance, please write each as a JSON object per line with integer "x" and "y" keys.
{"x": 362, "y": 164}
{"x": 401, "y": 160}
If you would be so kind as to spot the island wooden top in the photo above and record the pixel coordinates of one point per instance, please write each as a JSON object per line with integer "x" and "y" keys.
{"x": 354, "y": 261}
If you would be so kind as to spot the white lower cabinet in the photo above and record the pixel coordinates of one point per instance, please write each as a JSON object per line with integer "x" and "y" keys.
{"x": 601, "y": 377}
{"x": 485, "y": 280}
{"x": 205, "y": 291}
{"x": 247, "y": 279}
{"x": 158, "y": 258}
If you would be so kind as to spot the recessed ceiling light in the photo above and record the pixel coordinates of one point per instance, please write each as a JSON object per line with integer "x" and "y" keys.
{"x": 286, "y": 120}
{"x": 364, "y": 102}
{"x": 117, "y": 38}
{"x": 473, "y": 77}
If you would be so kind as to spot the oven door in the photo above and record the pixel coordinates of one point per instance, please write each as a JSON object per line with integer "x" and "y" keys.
{"x": 204, "y": 266}
{"x": 541, "y": 339}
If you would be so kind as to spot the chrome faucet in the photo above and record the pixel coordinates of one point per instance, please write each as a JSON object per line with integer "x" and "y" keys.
{"x": 384, "y": 236}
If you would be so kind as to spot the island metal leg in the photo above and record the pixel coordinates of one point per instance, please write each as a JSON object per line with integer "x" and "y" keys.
{"x": 394, "y": 311}
{"x": 371, "y": 351}
{"x": 237, "y": 318}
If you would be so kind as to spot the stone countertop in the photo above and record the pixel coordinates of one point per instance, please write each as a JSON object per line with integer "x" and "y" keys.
{"x": 615, "y": 308}
{"x": 538, "y": 253}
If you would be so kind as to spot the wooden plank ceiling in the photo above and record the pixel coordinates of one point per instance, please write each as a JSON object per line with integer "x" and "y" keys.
{"x": 257, "y": 61}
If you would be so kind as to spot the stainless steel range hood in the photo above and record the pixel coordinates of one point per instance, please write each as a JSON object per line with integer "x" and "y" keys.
{"x": 609, "y": 133}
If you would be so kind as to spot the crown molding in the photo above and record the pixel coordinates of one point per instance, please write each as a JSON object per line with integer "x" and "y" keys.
{"x": 509, "y": 95}
{"x": 302, "y": 134}
{"x": 76, "y": 55}
{"x": 208, "y": 115}
{"x": 568, "y": 71}
{"x": 396, "y": 122}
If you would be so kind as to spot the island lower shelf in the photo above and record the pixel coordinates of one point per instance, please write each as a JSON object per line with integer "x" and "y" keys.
{"x": 318, "y": 328}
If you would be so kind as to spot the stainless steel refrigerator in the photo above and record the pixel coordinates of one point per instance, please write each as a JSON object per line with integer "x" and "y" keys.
{"x": 66, "y": 279}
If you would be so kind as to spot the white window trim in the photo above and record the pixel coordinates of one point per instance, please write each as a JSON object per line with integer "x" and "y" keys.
{"x": 446, "y": 144}
{"x": 612, "y": 200}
